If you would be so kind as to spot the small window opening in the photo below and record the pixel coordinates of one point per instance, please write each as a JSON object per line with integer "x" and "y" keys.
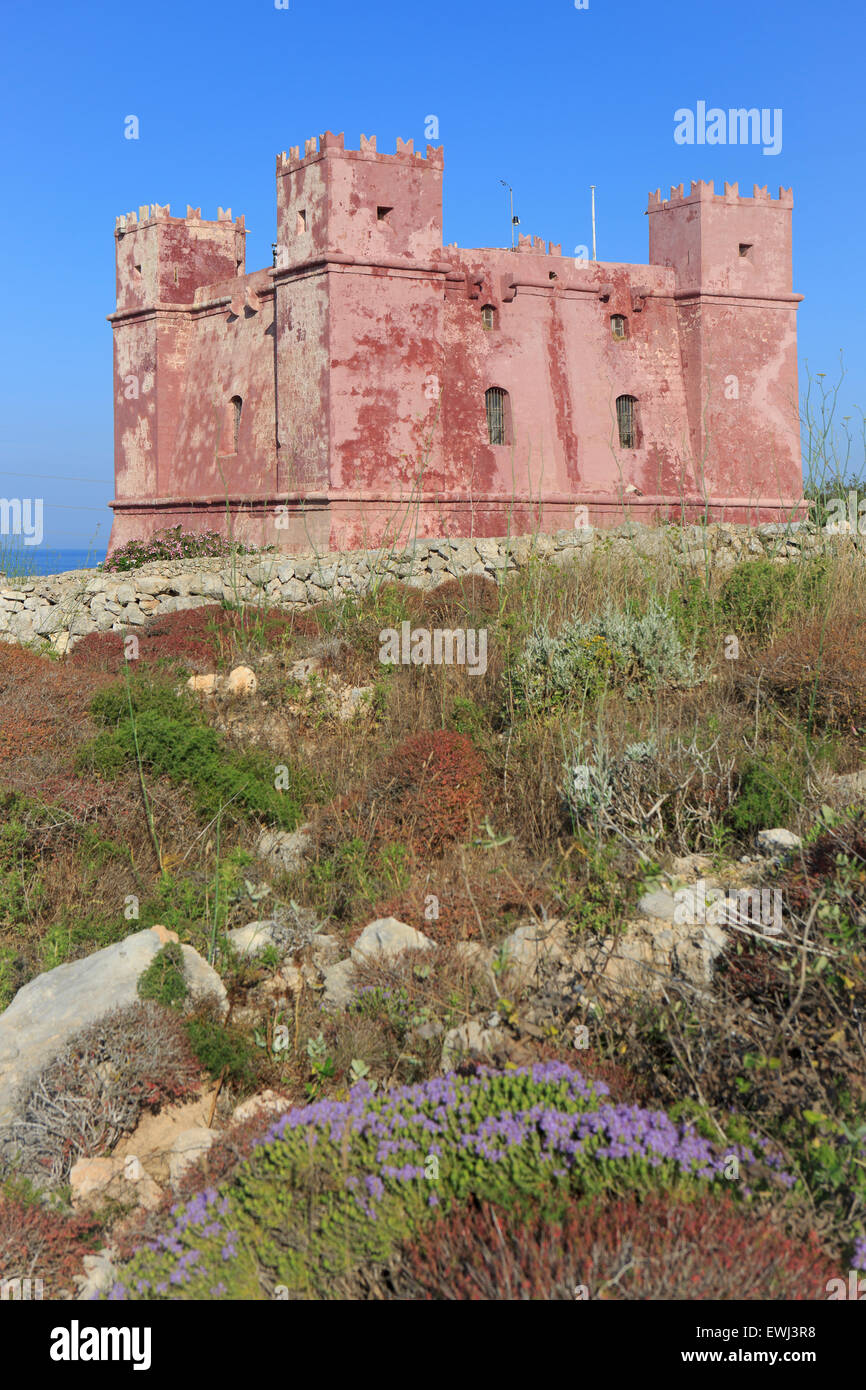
{"x": 552, "y": 275}
{"x": 383, "y": 213}
{"x": 745, "y": 248}
{"x": 235, "y": 406}
{"x": 302, "y": 222}
{"x": 618, "y": 326}
{"x": 488, "y": 316}
{"x": 138, "y": 269}
{"x": 626, "y": 419}
{"x": 497, "y": 406}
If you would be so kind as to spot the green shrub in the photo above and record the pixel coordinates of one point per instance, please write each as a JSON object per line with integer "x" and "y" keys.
{"x": 187, "y": 751}
{"x": 74, "y": 934}
{"x": 769, "y": 794}
{"x": 468, "y": 717}
{"x": 356, "y": 876}
{"x": 9, "y": 976}
{"x": 164, "y": 980}
{"x": 139, "y": 693}
{"x": 222, "y": 1050}
{"x": 759, "y": 596}
{"x": 31, "y": 834}
{"x": 692, "y": 608}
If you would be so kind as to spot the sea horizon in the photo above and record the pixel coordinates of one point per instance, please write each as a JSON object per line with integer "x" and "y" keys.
{"x": 41, "y": 560}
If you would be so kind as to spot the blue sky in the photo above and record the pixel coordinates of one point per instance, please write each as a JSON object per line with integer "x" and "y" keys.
{"x": 545, "y": 96}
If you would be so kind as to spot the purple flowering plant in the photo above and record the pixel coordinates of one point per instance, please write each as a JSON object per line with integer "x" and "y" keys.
{"x": 336, "y": 1182}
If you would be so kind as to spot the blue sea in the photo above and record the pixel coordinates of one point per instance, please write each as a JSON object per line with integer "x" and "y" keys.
{"x": 44, "y": 559}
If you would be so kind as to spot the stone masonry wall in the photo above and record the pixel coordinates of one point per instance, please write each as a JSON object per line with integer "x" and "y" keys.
{"x": 60, "y": 609}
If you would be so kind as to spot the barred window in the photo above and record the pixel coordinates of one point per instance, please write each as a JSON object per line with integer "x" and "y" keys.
{"x": 488, "y": 316}
{"x": 617, "y": 326}
{"x": 496, "y": 403}
{"x": 626, "y": 419}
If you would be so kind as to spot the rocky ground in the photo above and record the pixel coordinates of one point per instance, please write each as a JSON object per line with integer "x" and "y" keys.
{"x": 580, "y": 934}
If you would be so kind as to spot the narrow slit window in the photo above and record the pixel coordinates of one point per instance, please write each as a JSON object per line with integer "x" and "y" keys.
{"x": 235, "y": 407}
{"x": 488, "y": 316}
{"x": 618, "y": 327}
{"x": 302, "y": 222}
{"x": 626, "y": 419}
{"x": 497, "y": 407}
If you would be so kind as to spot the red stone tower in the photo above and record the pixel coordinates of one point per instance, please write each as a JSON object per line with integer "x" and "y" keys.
{"x": 162, "y": 262}
{"x": 738, "y": 335}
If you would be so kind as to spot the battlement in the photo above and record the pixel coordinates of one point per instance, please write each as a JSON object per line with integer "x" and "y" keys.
{"x": 147, "y": 214}
{"x": 536, "y": 244}
{"x": 335, "y": 145}
{"x": 703, "y": 191}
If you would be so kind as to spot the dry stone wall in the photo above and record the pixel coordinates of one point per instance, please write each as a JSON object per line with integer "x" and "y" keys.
{"x": 61, "y": 609}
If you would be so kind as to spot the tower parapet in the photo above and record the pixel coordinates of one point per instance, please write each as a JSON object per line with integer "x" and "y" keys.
{"x": 163, "y": 259}
{"x": 723, "y": 242}
{"x": 361, "y": 203}
{"x": 332, "y": 144}
{"x": 704, "y": 191}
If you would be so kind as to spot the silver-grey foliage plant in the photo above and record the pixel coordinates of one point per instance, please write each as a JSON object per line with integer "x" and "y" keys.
{"x": 591, "y": 787}
{"x": 645, "y": 648}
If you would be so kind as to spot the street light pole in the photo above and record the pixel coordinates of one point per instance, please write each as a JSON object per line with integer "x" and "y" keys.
{"x": 511, "y": 204}
{"x": 592, "y": 187}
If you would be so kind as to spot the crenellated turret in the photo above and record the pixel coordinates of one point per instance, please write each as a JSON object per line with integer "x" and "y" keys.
{"x": 163, "y": 259}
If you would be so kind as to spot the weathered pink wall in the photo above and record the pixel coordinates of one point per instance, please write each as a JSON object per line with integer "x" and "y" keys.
{"x": 362, "y": 363}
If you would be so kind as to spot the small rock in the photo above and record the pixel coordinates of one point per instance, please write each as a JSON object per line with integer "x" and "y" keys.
{"x": 534, "y": 944}
{"x": 354, "y": 700}
{"x": 388, "y": 937}
{"x": 241, "y": 681}
{"x": 189, "y": 1146}
{"x": 846, "y": 788}
{"x": 778, "y": 841}
{"x": 339, "y": 984}
{"x": 426, "y": 1032}
{"x": 692, "y": 866}
{"x": 660, "y": 905}
{"x": 93, "y": 1181}
{"x": 164, "y": 934}
{"x": 267, "y": 1102}
{"x": 99, "y": 1275}
{"x": 253, "y": 939}
{"x": 291, "y": 978}
{"x": 469, "y": 1040}
{"x": 204, "y": 685}
{"x": 473, "y": 953}
{"x": 324, "y": 950}
{"x": 301, "y": 671}
{"x": 285, "y": 849}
